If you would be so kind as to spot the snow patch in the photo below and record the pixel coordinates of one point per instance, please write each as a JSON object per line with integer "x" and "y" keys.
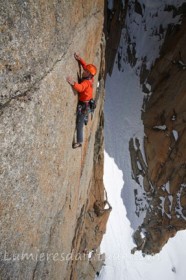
{"x": 160, "y": 127}
{"x": 167, "y": 187}
{"x": 173, "y": 117}
{"x": 175, "y": 133}
{"x": 179, "y": 208}
{"x": 148, "y": 86}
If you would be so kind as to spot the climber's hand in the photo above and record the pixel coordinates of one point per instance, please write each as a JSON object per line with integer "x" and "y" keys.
{"x": 70, "y": 81}
{"x": 77, "y": 57}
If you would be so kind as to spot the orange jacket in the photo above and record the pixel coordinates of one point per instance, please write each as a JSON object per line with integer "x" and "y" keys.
{"x": 85, "y": 88}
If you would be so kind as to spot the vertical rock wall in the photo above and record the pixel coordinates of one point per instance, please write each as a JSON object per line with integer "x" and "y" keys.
{"x": 45, "y": 184}
{"x": 114, "y": 22}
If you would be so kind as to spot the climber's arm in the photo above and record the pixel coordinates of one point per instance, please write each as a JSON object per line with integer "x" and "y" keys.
{"x": 80, "y": 87}
{"x": 81, "y": 61}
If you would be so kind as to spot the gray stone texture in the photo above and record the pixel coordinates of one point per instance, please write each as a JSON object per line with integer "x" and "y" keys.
{"x": 45, "y": 184}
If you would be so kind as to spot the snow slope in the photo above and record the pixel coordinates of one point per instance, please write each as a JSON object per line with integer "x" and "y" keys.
{"x": 117, "y": 242}
{"x": 120, "y": 263}
{"x": 122, "y": 122}
{"x": 124, "y": 99}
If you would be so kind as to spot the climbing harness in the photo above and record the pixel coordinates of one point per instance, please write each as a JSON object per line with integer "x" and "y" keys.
{"x": 84, "y": 108}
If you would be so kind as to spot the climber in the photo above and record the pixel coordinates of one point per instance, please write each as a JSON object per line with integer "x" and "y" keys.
{"x": 85, "y": 96}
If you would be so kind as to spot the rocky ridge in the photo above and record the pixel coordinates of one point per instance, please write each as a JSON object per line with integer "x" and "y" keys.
{"x": 159, "y": 170}
{"x": 164, "y": 142}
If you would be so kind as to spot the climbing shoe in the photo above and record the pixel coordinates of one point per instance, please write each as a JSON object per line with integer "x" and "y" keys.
{"x": 76, "y": 145}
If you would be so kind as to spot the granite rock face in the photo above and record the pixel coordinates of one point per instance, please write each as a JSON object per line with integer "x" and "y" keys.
{"x": 48, "y": 190}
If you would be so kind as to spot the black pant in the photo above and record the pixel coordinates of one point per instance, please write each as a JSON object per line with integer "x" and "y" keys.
{"x": 82, "y": 117}
{"x": 80, "y": 124}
